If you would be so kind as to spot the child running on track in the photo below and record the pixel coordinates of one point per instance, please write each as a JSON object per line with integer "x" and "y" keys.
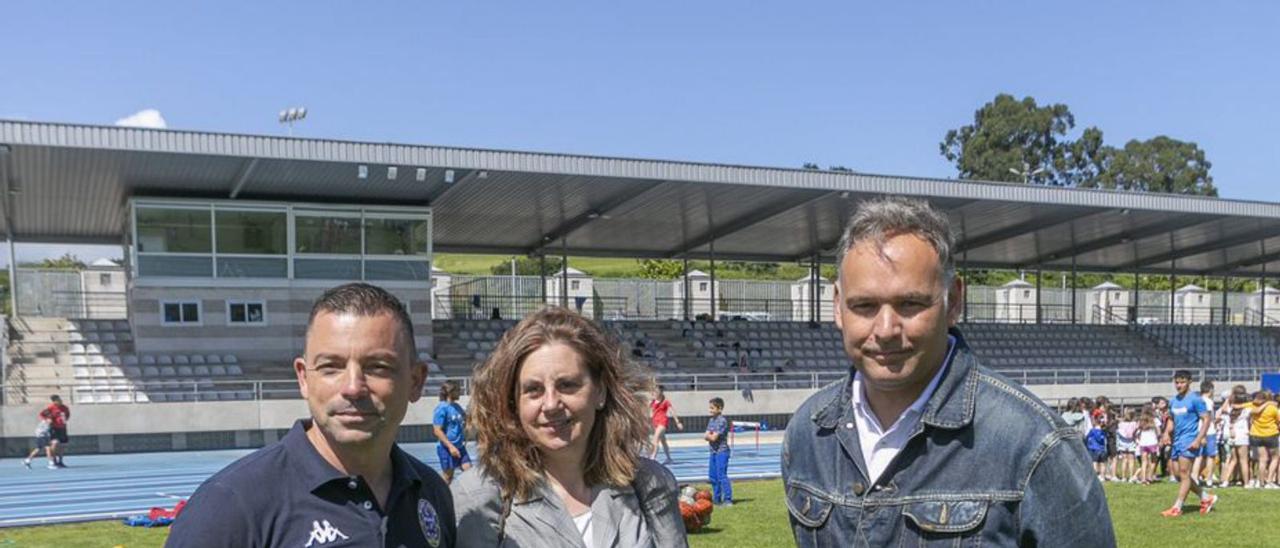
{"x": 661, "y": 414}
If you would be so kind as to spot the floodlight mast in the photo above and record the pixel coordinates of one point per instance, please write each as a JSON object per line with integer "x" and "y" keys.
{"x": 290, "y": 115}
{"x": 1026, "y": 172}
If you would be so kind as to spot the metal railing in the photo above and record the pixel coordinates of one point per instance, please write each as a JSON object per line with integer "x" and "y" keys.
{"x": 1019, "y": 313}
{"x": 189, "y": 390}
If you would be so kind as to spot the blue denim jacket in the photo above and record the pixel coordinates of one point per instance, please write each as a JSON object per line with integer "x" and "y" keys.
{"x": 988, "y": 465}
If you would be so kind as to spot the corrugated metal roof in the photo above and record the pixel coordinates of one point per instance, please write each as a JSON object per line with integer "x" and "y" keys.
{"x": 72, "y": 182}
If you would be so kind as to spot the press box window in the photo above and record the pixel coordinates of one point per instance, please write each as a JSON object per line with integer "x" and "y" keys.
{"x": 180, "y": 313}
{"x": 251, "y": 312}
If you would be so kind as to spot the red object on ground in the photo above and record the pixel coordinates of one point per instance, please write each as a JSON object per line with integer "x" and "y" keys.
{"x": 702, "y": 495}
{"x": 692, "y": 523}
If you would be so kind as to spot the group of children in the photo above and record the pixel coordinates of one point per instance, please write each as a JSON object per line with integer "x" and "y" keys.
{"x": 1238, "y": 445}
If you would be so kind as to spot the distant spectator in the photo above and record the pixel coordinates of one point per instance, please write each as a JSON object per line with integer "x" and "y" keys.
{"x": 1263, "y": 436}
{"x": 1127, "y": 446}
{"x": 449, "y": 426}
{"x": 661, "y": 414}
{"x": 57, "y": 414}
{"x": 1187, "y": 432}
{"x": 717, "y": 437}
{"x": 1096, "y": 442}
{"x": 41, "y": 444}
{"x": 1238, "y": 413}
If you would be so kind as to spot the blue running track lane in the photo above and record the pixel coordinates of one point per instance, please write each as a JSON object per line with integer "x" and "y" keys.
{"x": 98, "y": 487}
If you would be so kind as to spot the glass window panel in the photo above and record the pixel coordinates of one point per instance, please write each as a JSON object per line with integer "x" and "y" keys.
{"x": 258, "y": 232}
{"x": 188, "y": 267}
{"x": 174, "y": 230}
{"x": 396, "y": 237}
{"x": 253, "y": 311}
{"x": 237, "y": 313}
{"x": 396, "y": 270}
{"x": 252, "y": 267}
{"x": 172, "y": 313}
{"x": 190, "y": 312}
{"x": 326, "y": 269}
{"x": 333, "y": 235}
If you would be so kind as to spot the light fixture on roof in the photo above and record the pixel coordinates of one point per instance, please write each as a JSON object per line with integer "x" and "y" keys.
{"x": 392, "y": 171}
{"x": 448, "y": 176}
{"x": 290, "y": 115}
{"x": 483, "y": 175}
{"x": 362, "y": 171}
{"x": 421, "y": 175}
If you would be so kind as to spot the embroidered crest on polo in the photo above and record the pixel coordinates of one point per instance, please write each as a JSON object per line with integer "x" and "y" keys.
{"x": 430, "y": 522}
{"x": 322, "y": 532}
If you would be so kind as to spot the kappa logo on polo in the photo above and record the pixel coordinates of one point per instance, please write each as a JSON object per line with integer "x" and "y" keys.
{"x": 322, "y": 532}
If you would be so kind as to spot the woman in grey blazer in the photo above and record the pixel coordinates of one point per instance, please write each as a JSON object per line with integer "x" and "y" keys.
{"x": 560, "y": 417}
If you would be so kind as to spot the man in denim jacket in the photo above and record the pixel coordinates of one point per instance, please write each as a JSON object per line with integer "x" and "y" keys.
{"x": 921, "y": 445}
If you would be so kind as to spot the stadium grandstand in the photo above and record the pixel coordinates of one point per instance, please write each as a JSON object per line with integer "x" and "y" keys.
{"x": 227, "y": 239}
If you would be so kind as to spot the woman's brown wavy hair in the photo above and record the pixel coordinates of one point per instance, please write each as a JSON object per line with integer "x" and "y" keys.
{"x": 621, "y": 428}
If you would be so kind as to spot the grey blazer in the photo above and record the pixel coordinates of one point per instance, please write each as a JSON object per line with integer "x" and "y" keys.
{"x": 618, "y": 521}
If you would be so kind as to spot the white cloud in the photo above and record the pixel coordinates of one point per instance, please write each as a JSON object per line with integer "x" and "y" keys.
{"x": 149, "y": 118}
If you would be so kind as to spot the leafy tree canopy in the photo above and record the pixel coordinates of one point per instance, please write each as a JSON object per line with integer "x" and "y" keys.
{"x": 1021, "y": 141}
{"x": 660, "y": 269}
{"x": 1162, "y": 164}
{"x": 527, "y": 266}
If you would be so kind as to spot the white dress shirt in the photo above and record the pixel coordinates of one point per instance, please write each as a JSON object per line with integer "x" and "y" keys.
{"x": 880, "y": 445}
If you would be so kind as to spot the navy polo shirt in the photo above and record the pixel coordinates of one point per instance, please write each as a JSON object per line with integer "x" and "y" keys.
{"x": 286, "y": 494}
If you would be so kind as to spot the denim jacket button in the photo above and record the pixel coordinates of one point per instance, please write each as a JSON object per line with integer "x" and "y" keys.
{"x": 859, "y": 488}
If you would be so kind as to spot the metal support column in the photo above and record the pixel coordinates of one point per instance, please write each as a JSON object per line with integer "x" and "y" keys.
{"x": 714, "y": 314}
{"x": 1134, "y": 305}
{"x": 542, "y": 271}
{"x": 13, "y": 280}
{"x": 964, "y": 276}
{"x": 1173, "y": 291}
{"x": 815, "y": 290}
{"x": 684, "y": 299}
{"x": 1226, "y": 310}
{"x": 1073, "y": 290}
{"x": 1262, "y": 289}
{"x": 564, "y": 272}
{"x": 1038, "y": 278}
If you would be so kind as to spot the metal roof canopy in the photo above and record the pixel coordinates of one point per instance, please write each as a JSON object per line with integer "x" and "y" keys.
{"x": 70, "y": 183}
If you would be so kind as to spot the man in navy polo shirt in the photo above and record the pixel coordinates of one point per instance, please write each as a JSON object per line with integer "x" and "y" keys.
{"x": 338, "y": 478}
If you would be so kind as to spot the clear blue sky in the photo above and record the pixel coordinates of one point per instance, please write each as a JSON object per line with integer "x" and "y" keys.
{"x": 870, "y": 87}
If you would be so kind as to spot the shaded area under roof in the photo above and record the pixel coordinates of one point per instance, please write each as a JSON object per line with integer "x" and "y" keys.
{"x": 71, "y": 183}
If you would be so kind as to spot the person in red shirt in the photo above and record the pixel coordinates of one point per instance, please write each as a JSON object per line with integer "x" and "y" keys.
{"x": 661, "y": 414}
{"x": 57, "y": 414}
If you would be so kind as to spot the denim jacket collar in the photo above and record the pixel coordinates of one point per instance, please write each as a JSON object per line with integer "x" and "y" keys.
{"x": 951, "y": 406}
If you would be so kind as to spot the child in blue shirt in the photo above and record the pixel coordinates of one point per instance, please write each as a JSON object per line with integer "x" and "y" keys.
{"x": 717, "y": 437}
{"x": 448, "y": 425}
{"x": 1096, "y": 442}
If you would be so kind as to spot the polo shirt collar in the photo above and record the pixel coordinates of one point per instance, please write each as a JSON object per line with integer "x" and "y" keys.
{"x": 315, "y": 472}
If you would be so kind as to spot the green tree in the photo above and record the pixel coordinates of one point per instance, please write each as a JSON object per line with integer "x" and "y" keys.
{"x": 757, "y": 270}
{"x": 660, "y": 269}
{"x": 1162, "y": 164}
{"x": 67, "y": 262}
{"x": 527, "y": 266}
{"x": 1018, "y": 140}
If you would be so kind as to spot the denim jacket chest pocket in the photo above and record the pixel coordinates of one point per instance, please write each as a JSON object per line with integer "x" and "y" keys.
{"x": 943, "y": 522}
{"x": 809, "y": 506}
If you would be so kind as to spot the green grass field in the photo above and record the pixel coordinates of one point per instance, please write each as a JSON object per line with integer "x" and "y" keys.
{"x": 759, "y": 519}
{"x": 480, "y": 265}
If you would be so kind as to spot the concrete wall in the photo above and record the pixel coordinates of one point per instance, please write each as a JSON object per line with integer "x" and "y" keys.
{"x": 276, "y": 341}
